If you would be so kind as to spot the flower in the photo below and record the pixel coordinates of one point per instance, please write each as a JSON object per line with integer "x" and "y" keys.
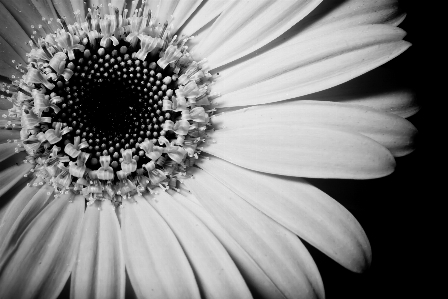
{"x": 182, "y": 159}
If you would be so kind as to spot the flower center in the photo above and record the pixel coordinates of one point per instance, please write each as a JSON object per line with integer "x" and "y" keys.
{"x": 114, "y": 102}
{"x": 112, "y": 105}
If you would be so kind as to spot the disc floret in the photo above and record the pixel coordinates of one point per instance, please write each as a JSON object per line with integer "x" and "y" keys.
{"x": 112, "y": 105}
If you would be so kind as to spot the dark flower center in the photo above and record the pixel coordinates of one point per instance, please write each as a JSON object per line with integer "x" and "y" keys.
{"x": 114, "y": 102}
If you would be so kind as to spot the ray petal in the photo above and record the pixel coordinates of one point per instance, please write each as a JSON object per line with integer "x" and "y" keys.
{"x": 5, "y": 69}
{"x": 17, "y": 205}
{"x": 214, "y": 269}
{"x": 155, "y": 261}
{"x": 207, "y": 11}
{"x": 279, "y": 252}
{"x": 64, "y": 9}
{"x": 4, "y": 105}
{"x": 46, "y": 252}
{"x": 391, "y": 131}
{"x": 248, "y": 25}
{"x": 8, "y": 55}
{"x": 13, "y": 33}
{"x": 331, "y": 16}
{"x": 6, "y": 135}
{"x": 301, "y": 208}
{"x": 35, "y": 205}
{"x": 380, "y": 89}
{"x": 7, "y": 150}
{"x": 26, "y": 15}
{"x": 10, "y": 176}
{"x": 47, "y": 11}
{"x": 99, "y": 268}
{"x": 78, "y": 5}
{"x": 257, "y": 280}
{"x": 183, "y": 11}
{"x": 302, "y": 151}
{"x": 166, "y": 9}
{"x": 309, "y": 67}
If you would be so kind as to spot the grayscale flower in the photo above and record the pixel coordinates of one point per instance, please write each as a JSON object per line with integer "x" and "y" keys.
{"x": 171, "y": 140}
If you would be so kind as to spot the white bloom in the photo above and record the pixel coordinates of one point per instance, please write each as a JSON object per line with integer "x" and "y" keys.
{"x": 172, "y": 138}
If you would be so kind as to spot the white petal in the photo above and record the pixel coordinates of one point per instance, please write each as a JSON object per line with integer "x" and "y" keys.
{"x": 4, "y": 105}
{"x": 300, "y": 207}
{"x": 35, "y": 205}
{"x": 183, "y": 11}
{"x": 207, "y": 11}
{"x": 331, "y": 16}
{"x": 8, "y": 135}
{"x": 166, "y": 9}
{"x": 8, "y": 121}
{"x": 379, "y": 89}
{"x": 64, "y": 9}
{"x": 302, "y": 152}
{"x": 8, "y": 54}
{"x": 248, "y": 25}
{"x": 308, "y": 67}
{"x": 46, "y": 252}
{"x": 26, "y": 15}
{"x": 99, "y": 268}
{"x": 17, "y": 205}
{"x": 78, "y": 5}
{"x": 259, "y": 283}
{"x": 155, "y": 261}
{"x": 278, "y": 252}
{"x": 13, "y": 33}
{"x": 7, "y": 150}
{"x": 214, "y": 269}
{"x": 47, "y": 11}
{"x": 391, "y": 131}
{"x": 11, "y": 175}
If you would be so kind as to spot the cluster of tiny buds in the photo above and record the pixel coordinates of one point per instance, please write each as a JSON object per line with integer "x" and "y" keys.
{"x": 123, "y": 98}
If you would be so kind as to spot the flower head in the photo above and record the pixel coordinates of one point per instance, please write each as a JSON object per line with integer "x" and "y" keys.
{"x": 182, "y": 158}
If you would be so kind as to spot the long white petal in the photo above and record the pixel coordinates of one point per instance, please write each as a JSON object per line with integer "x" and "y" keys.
{"x": 248, "y": 25}
{"x": 391, "y": 131}
{"x": 99, "y": 268}
{"x": 6, "y": 135}
{"x": 10, "y": 176}
{"x": 155, "y": 261}
{"x": 302, "y": 151}
{"x": 8, "y": 121}
{"x": 17, "y": 205}
{"x": 380, "y": 89}
{"x": 331, "y": 16}
{"x": 26, "y": 15}
{"x": 7, "y": 150}
{"x": 183, "y": 11}
{"x": 35, "y": 205}
{"x": 300, "y": 207}
{"x": 78, "y": 6}
{"x": 278, "y": 251}
{"x": 8, "y": 55}
{"x": 257, "y": 280}
{"x": 207, "y": 11}
{"x": 13, "y": 33}
{"x": 47, "y": 11}
{"x": 46, "y": 252}
{"x": 308, "y": 67}
{"x": 214, "y": 269}
{"x": 65, "y": 10}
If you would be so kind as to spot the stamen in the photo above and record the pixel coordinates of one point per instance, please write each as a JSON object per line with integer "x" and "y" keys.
{"x": 115, "y": 97}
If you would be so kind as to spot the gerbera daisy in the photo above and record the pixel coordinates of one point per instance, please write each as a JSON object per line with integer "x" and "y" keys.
{"x": 170, "y": 140}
